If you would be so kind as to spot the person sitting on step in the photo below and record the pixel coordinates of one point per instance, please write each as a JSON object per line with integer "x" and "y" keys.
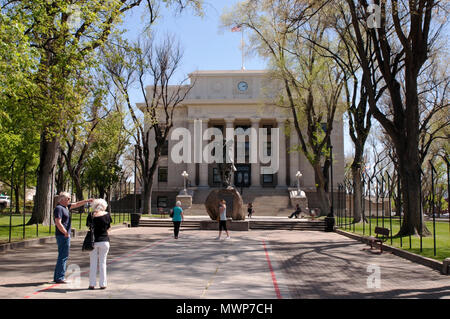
{"x": 297, "y": 212}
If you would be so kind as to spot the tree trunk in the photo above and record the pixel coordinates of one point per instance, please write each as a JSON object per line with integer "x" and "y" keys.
{"x": 60, "y": 174}
{"x": 357, "y": 193}
{"x": 147, "y": 196}
{"x": 78, "y": 191}
{"x": 324, "y": 201}
{"x": 43, "y": 204}
{"x": 407, "y": 149}
{"x": 17, "y": 199}
{"x": 410, "y": 178}
{"x": 101, "y": 192}
{"x": 108, "y": 200}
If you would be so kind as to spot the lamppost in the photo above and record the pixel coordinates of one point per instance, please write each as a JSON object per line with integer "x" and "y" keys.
{"x": 331, "y": 168}
{"x": 298, "y": 175}
{"x": 329, "y": 220}
{"x": 185, "y": 176}
{"x": 135, "y": 217}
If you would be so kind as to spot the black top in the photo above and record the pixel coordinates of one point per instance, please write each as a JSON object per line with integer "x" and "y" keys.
{"x": 101, "y": 225}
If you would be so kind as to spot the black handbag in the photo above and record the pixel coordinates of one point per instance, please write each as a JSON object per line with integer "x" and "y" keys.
{"x": 88, "y": 243}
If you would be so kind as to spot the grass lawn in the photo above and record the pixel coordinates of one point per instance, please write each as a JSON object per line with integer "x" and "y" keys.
{"x": 34, "y": 231}
{"x": 409, "y": 243}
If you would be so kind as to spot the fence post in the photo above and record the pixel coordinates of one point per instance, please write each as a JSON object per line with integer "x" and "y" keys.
{"x": 434, "y": 215}
{"x": 24, "y": 195}
{"x": 338, "y": 204}
{"x": 11, "y": 199}
{"x": 51, "y": 207}
{"x": 382, "y": 199}
{"x": 363, "y": 203}
{"x": 390, "y": 208}
{"x": 370, "y": 208}
{"x": 448, "y": 188}
{"x": 399, "y": 194}
{"x": 421, "y": 214}
{"x": 377, "y": 197}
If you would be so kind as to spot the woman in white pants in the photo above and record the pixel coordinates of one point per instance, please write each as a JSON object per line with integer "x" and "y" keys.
{"x": 101, "y": 220}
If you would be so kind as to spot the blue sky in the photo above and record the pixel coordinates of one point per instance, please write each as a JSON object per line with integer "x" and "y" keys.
{"x": 206, "y": 46}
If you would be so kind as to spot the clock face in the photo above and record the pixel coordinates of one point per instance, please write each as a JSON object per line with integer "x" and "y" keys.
{"x": 242, "y": 86}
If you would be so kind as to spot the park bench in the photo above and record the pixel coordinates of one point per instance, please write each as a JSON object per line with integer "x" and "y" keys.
{"x": 384, "y": 232}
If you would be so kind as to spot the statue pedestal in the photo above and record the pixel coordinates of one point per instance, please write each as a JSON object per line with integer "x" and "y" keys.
{"x": 232, "y": 225}
{"x": 186, "y": 201}
{"x": 298, "y": 198}
{"x": 234, "y": 201}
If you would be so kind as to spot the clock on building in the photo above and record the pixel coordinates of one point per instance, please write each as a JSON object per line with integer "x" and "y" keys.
{"x": 242, "y": 86}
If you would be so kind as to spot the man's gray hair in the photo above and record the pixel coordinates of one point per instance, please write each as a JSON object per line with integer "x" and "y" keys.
{"x": 63, "y": 195}
{"x": 99, "y": 204}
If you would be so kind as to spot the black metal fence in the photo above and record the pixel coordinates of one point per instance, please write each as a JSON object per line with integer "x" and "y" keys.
{"x": 381, "y": 205}
{"x": 13, "y": 225}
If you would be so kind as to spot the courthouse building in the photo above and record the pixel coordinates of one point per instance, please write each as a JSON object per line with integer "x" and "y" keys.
{"x": 240, "y": 99}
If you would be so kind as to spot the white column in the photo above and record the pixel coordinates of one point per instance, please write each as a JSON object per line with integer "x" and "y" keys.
{"x": 282, "y": 159}
{"x": 294, "y": 157}
{"x": 191, "y": 165}
{"x": 204, "y": 166}
{"x": 229, "y": 123}
{"x": 256, "y": 167}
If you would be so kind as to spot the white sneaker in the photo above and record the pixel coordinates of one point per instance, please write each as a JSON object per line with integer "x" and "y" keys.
{"x": 217, "y": 238}
{"x": 228, "y": 237}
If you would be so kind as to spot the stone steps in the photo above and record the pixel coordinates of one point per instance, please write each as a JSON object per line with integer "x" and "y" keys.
{"x": 288, "y": 225}
{"x": 317, "y": 225}
{"x": 191, "y": 224}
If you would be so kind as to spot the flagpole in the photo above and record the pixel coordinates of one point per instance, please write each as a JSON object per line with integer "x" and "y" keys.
{"x": 238, "y": 28}
{"x": 242, "y": 47}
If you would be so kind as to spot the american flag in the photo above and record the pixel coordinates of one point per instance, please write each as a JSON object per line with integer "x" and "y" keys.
{"x": 236, "y": 28}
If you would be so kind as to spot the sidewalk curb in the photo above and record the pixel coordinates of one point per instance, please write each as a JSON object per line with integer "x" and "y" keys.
{"x": 4, "y": 248}
{"x": 432, "y": 263}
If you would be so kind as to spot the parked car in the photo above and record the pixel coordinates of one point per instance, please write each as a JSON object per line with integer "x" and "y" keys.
{"x": 4, "y": 201}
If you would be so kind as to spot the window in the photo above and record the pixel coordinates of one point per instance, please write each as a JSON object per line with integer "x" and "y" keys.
{"x": 267, "y": 178}
{"x": 162, "y": 174}
{"x": 161, "y": 201}
{"x": 216, "y": 176}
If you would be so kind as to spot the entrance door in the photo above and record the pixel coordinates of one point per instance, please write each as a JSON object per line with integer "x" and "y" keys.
{"x": 242, "y": 176}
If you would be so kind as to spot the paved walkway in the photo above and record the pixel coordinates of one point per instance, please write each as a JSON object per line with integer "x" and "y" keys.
{"x": 149, "y": 263}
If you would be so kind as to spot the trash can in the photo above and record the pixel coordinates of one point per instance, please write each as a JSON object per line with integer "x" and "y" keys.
{"x": 329, "y": 223}
{"x": 135, "y": 217}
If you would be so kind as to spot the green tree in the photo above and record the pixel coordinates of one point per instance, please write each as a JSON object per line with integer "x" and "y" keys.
{"x": 312, "y": 83}
{"x": 153, "y": 119}
{"x": 402, "y": 38}
{"x": 103, "y": 169}
{"x": 18, "y": 145}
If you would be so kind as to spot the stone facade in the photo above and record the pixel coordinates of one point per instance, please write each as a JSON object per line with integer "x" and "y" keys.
{"x": 232, "y": 99}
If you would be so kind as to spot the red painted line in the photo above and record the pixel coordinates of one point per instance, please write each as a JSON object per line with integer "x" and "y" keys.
{"x": 274, "y": 279}
{"x": 134, "y": 252}
{"x": 36, "y": 292}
